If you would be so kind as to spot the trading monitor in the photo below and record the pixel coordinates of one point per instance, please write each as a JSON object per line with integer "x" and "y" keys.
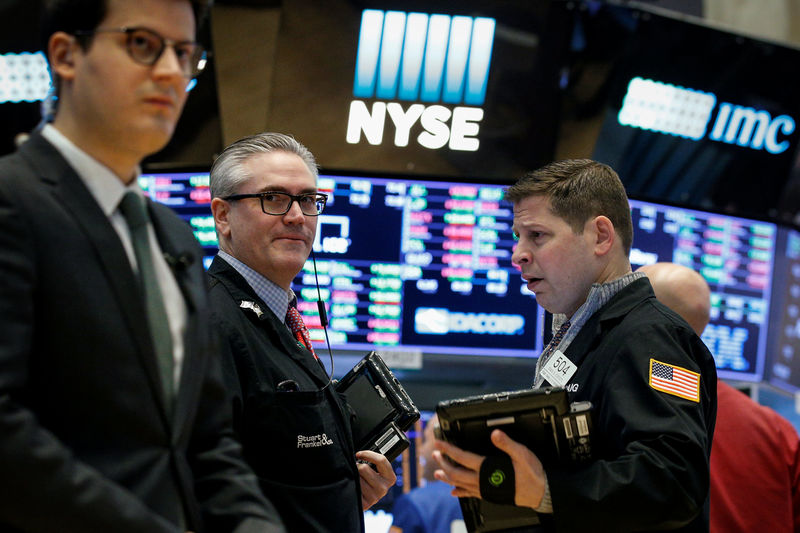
{"x": 784, "y": 346}
{"x": 418, "y": 270}
{"x": 736, "y": 257}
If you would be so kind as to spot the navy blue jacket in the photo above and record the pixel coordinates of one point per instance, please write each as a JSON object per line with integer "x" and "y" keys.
{"x": 298, "y": 442}
{"x": 652, "y": 471}
{"x": 86, "y": 441}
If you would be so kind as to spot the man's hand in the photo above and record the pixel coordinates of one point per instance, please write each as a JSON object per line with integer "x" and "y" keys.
{"x": 374, "y": 485}
{"x": 464, "y": 476}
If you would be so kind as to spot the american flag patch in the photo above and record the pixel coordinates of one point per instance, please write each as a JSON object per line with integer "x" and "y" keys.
{"x": 675, "y": 380}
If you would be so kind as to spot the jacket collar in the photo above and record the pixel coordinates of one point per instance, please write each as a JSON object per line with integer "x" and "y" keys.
{"x": 605, "y": 318}
{"x": 71, "y": 193}
{"x": 260, "y": 314}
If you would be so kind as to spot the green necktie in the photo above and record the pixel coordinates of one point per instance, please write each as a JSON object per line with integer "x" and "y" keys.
{"x": 135, "y": 212}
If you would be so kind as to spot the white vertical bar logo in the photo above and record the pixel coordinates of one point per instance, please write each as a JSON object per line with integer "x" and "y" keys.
{"x": 420, "y": 57}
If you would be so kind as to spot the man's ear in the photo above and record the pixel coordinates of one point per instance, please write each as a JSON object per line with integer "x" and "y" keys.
{"x": 605, "y": 235}
{"x": 61, "y": 49}
{"x": 221, "y": 209}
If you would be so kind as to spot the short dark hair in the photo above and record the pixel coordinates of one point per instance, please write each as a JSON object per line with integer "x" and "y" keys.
{"x": 579, "y": 189}
{"x": 72, "y": 16}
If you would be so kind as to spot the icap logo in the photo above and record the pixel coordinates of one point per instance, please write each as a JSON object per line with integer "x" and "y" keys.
{"x": 419, "y": 57}
{"x": 440, "y": 321}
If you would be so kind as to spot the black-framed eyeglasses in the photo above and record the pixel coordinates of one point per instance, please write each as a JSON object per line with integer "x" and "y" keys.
{"x": 146, "y": 46}
{"x": 279, "y": 203}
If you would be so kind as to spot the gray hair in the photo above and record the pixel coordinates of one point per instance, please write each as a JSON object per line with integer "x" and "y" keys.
{"x": 226, "y": 173}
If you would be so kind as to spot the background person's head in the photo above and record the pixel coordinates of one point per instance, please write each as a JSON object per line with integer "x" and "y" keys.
{"x": 683, "y": 290}
{"x": 227, "y": 176}
{"x": 429, "y": 465}
{"x": 276, "y": 246}
{"x": 565, "y": 219}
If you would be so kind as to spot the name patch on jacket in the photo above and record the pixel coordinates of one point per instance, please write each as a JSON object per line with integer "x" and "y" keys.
{"x": 675, "y": 380}
{"x": 313, "y": 441}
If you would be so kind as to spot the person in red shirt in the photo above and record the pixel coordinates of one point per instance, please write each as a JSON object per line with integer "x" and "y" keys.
{"x": 755, "y": 454}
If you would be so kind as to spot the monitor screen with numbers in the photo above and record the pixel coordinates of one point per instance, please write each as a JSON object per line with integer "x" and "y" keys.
{"x": 403, "y": 265}
{"x": 783, "y": 363}
{"x": 413, "y": 268}
{"x": 736, "y": 256}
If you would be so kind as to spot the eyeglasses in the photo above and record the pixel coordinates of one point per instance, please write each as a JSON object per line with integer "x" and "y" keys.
{"x": 279, "y": 203}
{"x": 146, "y": 47}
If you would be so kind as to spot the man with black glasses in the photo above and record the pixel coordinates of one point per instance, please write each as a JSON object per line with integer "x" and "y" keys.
{"x": 293, "y": 426}
{"x": 113, "y": 415}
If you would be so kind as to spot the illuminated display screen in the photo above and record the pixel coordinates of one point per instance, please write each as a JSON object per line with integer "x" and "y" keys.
{"x": 406, "y": 265}
{"x": 736, "y": 258}
{"x": 425, "y": 267}
{"x": 428, "y": 89}
{"x": 23, "y": 77}
{"x": 692, "y": 114}
{"x": 784, "y": 361}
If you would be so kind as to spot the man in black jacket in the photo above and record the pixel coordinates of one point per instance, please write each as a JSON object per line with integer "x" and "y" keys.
{"x": 112, "y": 409}
{"x": 651, "y": 380}
{"x": 293, "y": 425}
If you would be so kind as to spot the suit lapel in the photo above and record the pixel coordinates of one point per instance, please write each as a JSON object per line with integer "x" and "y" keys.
{"x": 179, "y": 257}
{"x": 70, "y": 192}
{"x": 241, "y": 291}
{"x": 605, "y": 318}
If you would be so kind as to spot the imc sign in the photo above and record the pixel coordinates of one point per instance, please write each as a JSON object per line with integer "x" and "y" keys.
{"x": 666, "y": 108}
{"x": 426, "y": 59}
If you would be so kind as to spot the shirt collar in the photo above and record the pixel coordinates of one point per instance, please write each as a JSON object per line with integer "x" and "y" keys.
{"x": 270, "y": 293}
{"x": 599, "y": 295}
{"x": 103, "y": 184}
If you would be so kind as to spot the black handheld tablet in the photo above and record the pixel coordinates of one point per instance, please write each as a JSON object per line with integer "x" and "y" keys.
{"x": 382, "y": 409}
{"x": 541, "y": 419}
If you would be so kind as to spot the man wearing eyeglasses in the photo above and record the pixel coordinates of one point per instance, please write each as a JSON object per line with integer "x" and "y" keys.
{"x": 294, "y": 428}
{"x": 113, "y": 415}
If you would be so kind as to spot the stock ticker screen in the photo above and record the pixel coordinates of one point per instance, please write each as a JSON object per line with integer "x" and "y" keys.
{"x": 402, "y": 265}
{"x": 784, "y": 348}
{"x": 736, "y": 257}
{"x": 425, "y": 266}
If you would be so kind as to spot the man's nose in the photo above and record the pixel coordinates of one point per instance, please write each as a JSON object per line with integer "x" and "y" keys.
{"x": 294, "y": 213}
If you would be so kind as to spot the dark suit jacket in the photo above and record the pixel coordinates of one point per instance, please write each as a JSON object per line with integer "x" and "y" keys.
{"x": 652, "y": 471}
{"x": 85, "y": 440}
{"x": 298, "y": 442}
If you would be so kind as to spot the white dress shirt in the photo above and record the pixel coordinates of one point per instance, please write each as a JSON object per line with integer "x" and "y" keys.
{"x": 108, "y": 190}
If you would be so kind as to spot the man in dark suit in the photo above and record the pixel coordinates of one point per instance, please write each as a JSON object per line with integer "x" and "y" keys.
{"x": 112, "y": 412}
{"x": 650, "y": 379}
{"x": 295, "y": 428}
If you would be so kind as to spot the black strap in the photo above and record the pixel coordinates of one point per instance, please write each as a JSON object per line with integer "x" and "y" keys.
{"x": 497, "y": 481}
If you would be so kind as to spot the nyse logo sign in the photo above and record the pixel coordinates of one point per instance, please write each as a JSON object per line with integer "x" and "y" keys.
{"x": 683, "y": 112}
{"x": 415, "y": 57}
